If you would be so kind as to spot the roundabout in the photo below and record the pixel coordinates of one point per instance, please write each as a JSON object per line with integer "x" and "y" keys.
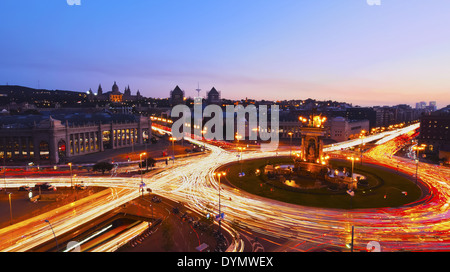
{"x": 379, "y": 187}
{"x": 420, "y": 225}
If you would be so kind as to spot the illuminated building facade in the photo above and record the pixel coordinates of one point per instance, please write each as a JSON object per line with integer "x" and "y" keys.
{"x": 114, "y": 96}
{"x": 435, "y": 131}
{"x": 53, "y": 139}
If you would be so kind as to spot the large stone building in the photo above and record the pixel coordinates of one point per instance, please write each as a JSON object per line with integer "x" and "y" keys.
{"x": 213, "y": 97}
{"x": 55, "y": 138}
{"x": 177, "y": 96}
{"x": 114, "y": 96}
{"x": 342, "y": 129}
{"x": 435, "y": 132}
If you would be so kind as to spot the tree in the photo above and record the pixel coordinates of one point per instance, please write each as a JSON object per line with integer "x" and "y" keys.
{"x": 148, "y": 162}
{"x": 103, "y": 167}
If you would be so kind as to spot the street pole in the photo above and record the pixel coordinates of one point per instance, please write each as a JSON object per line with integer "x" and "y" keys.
{"x": 220, "y": 211}
{"x": 353, "y": 166}
{"x": 71, "y": 175}
{"x": 418, "y": 149}
{"x": 57, "y": 246}
{"x": 10, "y": 209}
{"x": 417, "y": 170}
{"x": 220, "y": 219}
{"x": 361, "y": 149}
{"x": 173, "y": 148}
{"x": 353, "y": 233}
{"x": 290, "y": 145}
{"x": 362, "y": 135}
{"x": 141, "y": 166}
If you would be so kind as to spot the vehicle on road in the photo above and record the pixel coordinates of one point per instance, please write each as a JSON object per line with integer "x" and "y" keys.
{"x": 24, "y": 188}
{"x": 80, "y": 187}
{"x": 44, "y": 186}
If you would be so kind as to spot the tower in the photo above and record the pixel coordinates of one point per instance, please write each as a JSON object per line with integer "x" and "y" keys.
{"x": 115, "y": 88}
{"x": 127, "y": 92}
{"x": 198, "y": 90}
{"x": 100, "y": 90}
{"x": 312, "y": 139}
{"x": 176, "y": 96}
{"x": 213, "y": 96}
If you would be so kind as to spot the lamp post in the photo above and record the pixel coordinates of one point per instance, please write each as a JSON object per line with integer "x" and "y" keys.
{"x": 219, "y": 174}
{"x": 353, "y": 159}
{"x": 71, "y": 179}
{"x": 418, "y": 149}
{"x": 173, "y": 139}
{"x": 290, "y": 144}
{"x": 57, "y": 246}
{"x": 353, "y": 234}
{"x": 140, "y": 162}
{"x": 362, "y": 135}
{"x": 10, "y": 208}
{"x": 238, "y": 137}
{"x": 240, "y": 157}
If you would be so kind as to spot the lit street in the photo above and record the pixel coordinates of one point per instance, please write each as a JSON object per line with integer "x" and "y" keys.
{"x": 191, "y": 181}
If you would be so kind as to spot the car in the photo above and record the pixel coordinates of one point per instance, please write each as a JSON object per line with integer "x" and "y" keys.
{"x": 156, "y": 199}
{"x": 80, "y": 187}
{"x": 44, "y": 186}
{"x": 24, "y": 188}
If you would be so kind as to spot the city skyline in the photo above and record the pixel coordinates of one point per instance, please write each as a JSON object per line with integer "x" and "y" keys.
{"x": 322, "y": 126}
{"x": 366, "y": 55}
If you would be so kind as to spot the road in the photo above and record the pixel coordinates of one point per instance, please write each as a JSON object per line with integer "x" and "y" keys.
{"x": 423, "y": 226}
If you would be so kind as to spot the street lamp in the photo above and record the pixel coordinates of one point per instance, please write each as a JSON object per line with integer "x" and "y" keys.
{"x": 71, "y": 180}
{"x": 418, "y": 149}
{"x": 238, "y": 137}
{"x": 173, "y": 139}
{"x": 140, "y": 161}
{"x": 362, "y": 135}
{"x": 10, "y": 208}
{"x": 353, "y": 159}
{"x": 57, "y": 246}
{"x": 240, "y": 158}
{"x": 290, "y": 145}
{"x": 219, "y": 174}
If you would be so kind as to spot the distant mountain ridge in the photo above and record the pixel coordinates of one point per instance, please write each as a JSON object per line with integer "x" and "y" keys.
{"x": 21, "y": 94}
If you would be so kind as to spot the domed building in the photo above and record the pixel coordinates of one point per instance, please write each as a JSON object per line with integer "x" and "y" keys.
{"x": 114, "y": 95}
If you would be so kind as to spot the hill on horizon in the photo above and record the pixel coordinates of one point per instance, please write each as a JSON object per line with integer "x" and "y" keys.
{"x": 21, "y": 94}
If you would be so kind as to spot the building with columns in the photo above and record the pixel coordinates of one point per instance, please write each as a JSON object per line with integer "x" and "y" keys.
{"x": 113, "y": 96}
{"x": 53, "y": 139}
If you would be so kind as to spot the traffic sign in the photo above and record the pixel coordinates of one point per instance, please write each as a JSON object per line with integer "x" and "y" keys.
{"x": 220, "y": 216}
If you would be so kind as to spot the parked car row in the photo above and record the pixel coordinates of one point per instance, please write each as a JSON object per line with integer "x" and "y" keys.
{"x": 48, "y": 187}
{"x": 42, "y": 186}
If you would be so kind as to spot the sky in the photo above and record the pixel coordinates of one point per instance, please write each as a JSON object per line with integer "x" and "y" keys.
{"x": 347, "y": 50}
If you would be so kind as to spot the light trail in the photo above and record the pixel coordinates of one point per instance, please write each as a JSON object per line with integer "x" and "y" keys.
{"x": 423, "y": 226}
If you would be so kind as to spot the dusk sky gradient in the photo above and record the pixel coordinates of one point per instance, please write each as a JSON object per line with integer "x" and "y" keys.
{"x": 344, "y": 50}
